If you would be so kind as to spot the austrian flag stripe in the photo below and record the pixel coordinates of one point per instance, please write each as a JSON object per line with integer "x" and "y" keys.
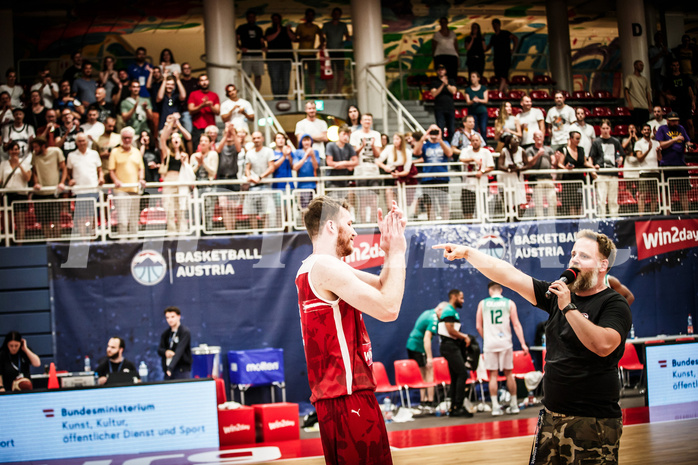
{"x": 658, "y": 237}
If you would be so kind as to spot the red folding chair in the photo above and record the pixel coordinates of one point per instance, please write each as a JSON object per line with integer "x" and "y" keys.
{"x": 522, "y": 364}
{"x": 492, "y": 112}
{"x": 542, "y": 80}
{"x": 520, "y": 80}
{"x": 407, "y": 375}
{"x": 540, "y": 95}
{"x": 382, "y": 381}
{"x": 629, "y": 361}
{"x": 441, "y": 374}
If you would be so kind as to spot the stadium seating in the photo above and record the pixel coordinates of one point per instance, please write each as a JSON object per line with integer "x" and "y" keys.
{"x": 540, "y": 95}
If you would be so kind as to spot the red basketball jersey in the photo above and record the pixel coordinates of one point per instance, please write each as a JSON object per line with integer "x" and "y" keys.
{"x": 337, "y": 347}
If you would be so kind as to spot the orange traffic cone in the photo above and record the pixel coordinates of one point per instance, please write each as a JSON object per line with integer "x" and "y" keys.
{"x": 52, "y": 377}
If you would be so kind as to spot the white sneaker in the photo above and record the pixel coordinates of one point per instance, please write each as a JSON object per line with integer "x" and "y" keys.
{"x": 512, "y": 410}
{"x": 497, "y": 411}
{"x": 469, "y": 406}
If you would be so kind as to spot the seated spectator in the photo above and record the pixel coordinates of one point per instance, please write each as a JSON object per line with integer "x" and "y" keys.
{"x": 105, "y": 143}
{"x": 607, "y": 152}
{"x": 168, "y": 65}
{"x": 84, "y": 87}
{"x": 116, "y": 363}
{"x": 506, "y": 124}
{"x": 66, "y": 100}
{"x": 85, "y": 173}
{"x": 479, "y": 161}
{"x": 463, "y": 137}
{"x": 259, "y": 163}
{"x": 48, "y": 167}
{"x": 18, "y": 131}
{"x": 173, "y": 158}
{"x": 92, "y": 127}
{"x": 136, "y": 110}
{"x": 15, "y": 173}
{"x": 126, "y": 167}
{"x": 151, "y": 157}
{"x": 542, "y": 157}
{"x": 109, "y": 80}
{"x": 283, "y": 161}
{"x": 104, "y": 107}
{"x": 341, "y": 157}
{"x": 305, "y": 164}
{"x": 46, "y": 88}
{"x": 36, "y": 116}
{"x": 573, "y": 157}
{"x": 511, "y": 161}
{"x": 170, "y": 98}
{"x": 16, "y": 360}
{"x": 432, "y": 149}
{"x": 228, "y": 168}
{"x": 236, "y": 110}
{"x": 13, "y": 88}
{"x": 140, "y": 71}
{"x": 67, "y": 131}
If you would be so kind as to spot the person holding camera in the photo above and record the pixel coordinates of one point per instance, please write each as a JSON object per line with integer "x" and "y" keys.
{"x": 435, "y": 151}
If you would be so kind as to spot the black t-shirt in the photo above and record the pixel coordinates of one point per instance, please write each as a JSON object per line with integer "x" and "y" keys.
{"x": 105, "y": 111}
{"x": 443, "y": 101}
{"x": 250, "y": 38}
{"x": 190, "y": 85}
{"x": 281, "y": 42}
{"x": 501, "y": 44}
{"x": 577, "y": 381}
{"x": 151, "y": 174}
{"x": 106, "y": 367}
{"x": 678, "y": 86}
{"x": 38, "y": 120}
{"x": 12, "y": 365}
{"x": 227, "y": 162}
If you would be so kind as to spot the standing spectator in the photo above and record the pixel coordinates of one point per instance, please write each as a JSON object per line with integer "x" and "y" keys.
{"x": 443, "y": 88}
{"x": 6, "y": 118}
{"x": 559, "y": 119}
{"x": 75, "y": 69}
{"x": 341, "y": 157}
{"x": 283, "y": 161}
{"x": 279, "y": 40}
{"x": 51, "y": 131}
{"x": 573, "y": 157}
{"x": 84, "y": 87}
{"x": 305, "y": 164}
{"x": 451, "y": 345}
{"x": 607, "y": 152}
{"x": 104, "y": 108}
{"x": 478, "y": 160}
{"x": 229, "y": 151}
{"x": 204, "y": 161}
{"x": 15, "y": 173}
{"x": 16, "y": 360}
{"x": 477, "y": 97}
{"x": 18, "y": 131}
{"x": 106, "y": 143}
{"x": 335, "y": 33}
{"x": 628, "y": 143}
{"x": 140, "y": 71}
{"x": 501, "y": 44}
{"x": 190, "y": 85}
{"x": 151, "y": 157}
{"x": 67, "y": 132}
{"x": 48, "y": 169}
{"x": 174, "y": 157}
{"x": 531, "y": 120}
{"x": 658, "y": 120}
{"x": 153, "y": 84}
{"x": 396, "y": 160}
{"x": 367, "y": 144}
{"x": 203, "y": 106}
{"x": 92, "y": 127}
{"x": 314, "y": 126}
{"x": 168, "y": 65}
{"x": 433, "y": 149}
{"x": 175, "y": 346}
{"x": 648, "y": 154}
{"x": 37, "y": 112}
{"x": 136, "y": 110}
{"x": 495, "y": 317}
{"x": 235, "y": 110}
{"x": 463, "y": 137}
{"x": 505, "y": 125}
{"x": 678, "y": 93}
{"x": 47, "y": 88}
{"x": 419, "y": 348}
{"x": 11, "y": 87}
{"x": 638, "y": 95}
{"x": 673, "y": 142}
{"x": 542, "y": 157}
{"x": 126, "y": 167}
{"x": 444, "y": 49}
{"x": 124, "y": 89}
{"x": 687, "y": 55}
{"x": 109, "y": 79}
{"x": 170, "y": 98}
{"x": 259, "y": 163}
{"x": 354, "y": 118}
{"x": 251, "y": 43}
{"x": 587, "y": 131}
{"x": 306, "y": 33}
{"x": 475, "y": 44}
{"x": 85, "y": 172}
{"x": 67, "y": 101}
{"x": 511, "y": 161}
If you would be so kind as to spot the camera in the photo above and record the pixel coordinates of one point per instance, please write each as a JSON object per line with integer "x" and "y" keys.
{"x": 434, "y": 132}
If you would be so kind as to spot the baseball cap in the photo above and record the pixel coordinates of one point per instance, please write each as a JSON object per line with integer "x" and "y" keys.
{"x": 672, "y": 115}
{"x": 440, "y": 65}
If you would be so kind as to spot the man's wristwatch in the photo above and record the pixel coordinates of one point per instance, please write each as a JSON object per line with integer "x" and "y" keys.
{"x": 570, "y": 306}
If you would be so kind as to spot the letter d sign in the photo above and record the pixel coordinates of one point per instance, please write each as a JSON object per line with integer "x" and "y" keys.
{"x": 637, "y": 30}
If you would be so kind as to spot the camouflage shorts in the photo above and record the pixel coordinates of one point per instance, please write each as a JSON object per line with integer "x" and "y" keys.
{"x": 571, "y": 440}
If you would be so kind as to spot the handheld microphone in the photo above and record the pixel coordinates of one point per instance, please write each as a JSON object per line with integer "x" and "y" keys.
{"x": 567, "y": 276}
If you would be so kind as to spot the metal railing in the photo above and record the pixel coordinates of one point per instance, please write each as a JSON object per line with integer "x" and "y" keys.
{"x": 213, "y": 207}
{"x": 391, "y": 103}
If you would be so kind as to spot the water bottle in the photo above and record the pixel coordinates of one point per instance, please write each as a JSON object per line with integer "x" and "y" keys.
{"x": 388, "y": 410}
{"x": 543, "y": 341}
{"x": 632, "y": 331}
{"x": 88, "y": 364}
{"x": 690, "y": 324}
{"x": 143, "y": 371}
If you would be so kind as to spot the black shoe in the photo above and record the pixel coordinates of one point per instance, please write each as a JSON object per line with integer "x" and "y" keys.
{"x": 460, "y": 412}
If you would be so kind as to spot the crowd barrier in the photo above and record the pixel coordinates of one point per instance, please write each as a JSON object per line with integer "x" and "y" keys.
{"x": 225, "y": 207}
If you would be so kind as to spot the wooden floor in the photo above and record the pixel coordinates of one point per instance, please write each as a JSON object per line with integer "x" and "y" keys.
{"x": 642, "y": 444}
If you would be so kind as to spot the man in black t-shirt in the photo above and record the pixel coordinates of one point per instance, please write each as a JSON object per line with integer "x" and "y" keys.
{"x": 443, "y": 89}
{"x": 115, "y": 362}
{"x": 279, "y": 55}
{"x": 175, "y": 346}
{"x": 585, "y": 333}
{"x": 501, "y": 44}
{"x": 251, "y": 42}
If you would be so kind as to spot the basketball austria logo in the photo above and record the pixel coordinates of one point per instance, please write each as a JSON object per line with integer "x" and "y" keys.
{"x": 492, "y": 244}
{"x": 148, "y": 267}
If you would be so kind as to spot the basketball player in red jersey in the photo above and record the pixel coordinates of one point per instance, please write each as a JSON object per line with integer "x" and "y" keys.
{"x": 331, "y": 298}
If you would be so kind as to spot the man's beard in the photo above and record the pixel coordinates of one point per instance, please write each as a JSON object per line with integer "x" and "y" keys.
{"x": 114, "y": 356}
{"x": 586, "y": 280}
{"x": 344, "y": 246}
{"x": 458, "y": 304}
